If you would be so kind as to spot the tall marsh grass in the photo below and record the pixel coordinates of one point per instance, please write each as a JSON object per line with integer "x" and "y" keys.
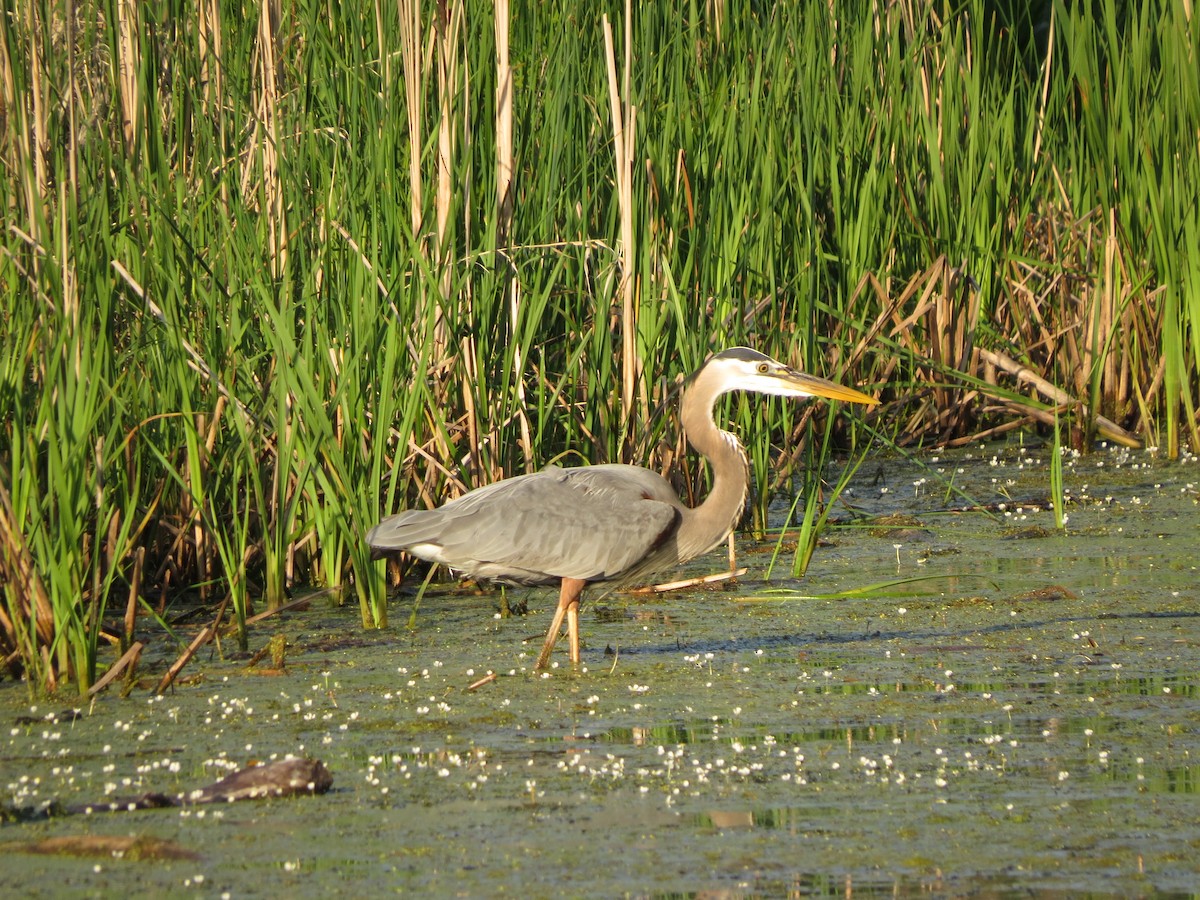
{"x": 271, "y": 270}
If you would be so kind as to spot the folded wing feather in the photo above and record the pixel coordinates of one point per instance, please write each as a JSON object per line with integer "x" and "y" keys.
{"x": 593, "y": 523}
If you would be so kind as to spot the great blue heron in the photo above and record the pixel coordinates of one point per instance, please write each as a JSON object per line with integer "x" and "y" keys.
{"x": 614, "y": 523}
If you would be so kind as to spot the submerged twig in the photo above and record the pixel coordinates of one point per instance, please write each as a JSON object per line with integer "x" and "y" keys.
{"x": 486, "y": 679}
{"x": 200, "y": 640}
{"x": 127, "y": 661}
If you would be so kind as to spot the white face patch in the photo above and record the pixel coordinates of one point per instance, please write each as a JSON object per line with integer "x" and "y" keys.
{"x": 758, "y": 374}
{"x": 740, "y": 375}
{"x": 768, "y": 384}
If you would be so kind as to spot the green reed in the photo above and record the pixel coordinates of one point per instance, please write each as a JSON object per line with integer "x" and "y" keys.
{"x": 1057, "y": 488}
{"x": 254, "y": 298}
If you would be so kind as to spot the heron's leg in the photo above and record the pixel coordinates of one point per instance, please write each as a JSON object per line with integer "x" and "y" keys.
{"x": 568, "y": 607}
{"x": 573, "y": 629}
{"x": 551, "y": 637}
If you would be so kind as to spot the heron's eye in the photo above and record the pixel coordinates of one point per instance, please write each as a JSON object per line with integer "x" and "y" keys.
{"x": 763, "y": 368}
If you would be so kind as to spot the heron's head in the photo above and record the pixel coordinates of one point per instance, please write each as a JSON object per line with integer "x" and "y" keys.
{"x": 743, "y": 369}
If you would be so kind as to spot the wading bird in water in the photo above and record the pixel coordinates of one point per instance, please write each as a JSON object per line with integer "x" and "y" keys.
{"x": 607, "y": 523}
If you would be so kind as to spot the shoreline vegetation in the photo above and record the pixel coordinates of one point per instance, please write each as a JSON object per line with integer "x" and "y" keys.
{"x": 274, "y": 270}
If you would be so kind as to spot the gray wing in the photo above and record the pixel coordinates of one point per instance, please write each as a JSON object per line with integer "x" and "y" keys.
{"x": 591, "y": 523}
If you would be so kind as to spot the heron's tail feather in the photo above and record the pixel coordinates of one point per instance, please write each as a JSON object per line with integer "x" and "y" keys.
{"x": 402, "y": 531}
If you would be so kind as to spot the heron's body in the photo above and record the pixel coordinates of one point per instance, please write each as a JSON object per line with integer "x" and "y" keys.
{"x": 607, "y": 523}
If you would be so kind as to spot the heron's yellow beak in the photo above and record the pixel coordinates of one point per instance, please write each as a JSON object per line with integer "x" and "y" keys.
{"x": 813, "y": 386}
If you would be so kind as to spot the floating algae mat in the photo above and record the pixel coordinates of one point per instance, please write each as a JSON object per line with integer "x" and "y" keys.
{"x": 955, "y": 700}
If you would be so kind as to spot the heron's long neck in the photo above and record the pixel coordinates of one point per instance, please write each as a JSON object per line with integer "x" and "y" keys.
{"x": 709, "y": 523}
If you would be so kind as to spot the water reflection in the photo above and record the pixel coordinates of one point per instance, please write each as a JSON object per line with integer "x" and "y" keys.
{"x": 847, "y": 886}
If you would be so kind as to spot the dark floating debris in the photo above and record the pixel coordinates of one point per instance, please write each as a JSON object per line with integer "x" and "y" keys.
{"x": 134, "y": 847}
{"x": 66, "y": 716}
{"x": 1048, "y": 593}
{"x": 283, "y": 778}
{"x": 887, "y": 526}
{"x": 1027, "y": 533}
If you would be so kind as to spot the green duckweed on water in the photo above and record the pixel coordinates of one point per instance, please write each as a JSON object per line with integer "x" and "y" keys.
{"x": 1010, "y": 709}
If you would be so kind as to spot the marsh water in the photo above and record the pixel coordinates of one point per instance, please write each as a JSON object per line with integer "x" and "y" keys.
{"x": 964, "y": 702}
